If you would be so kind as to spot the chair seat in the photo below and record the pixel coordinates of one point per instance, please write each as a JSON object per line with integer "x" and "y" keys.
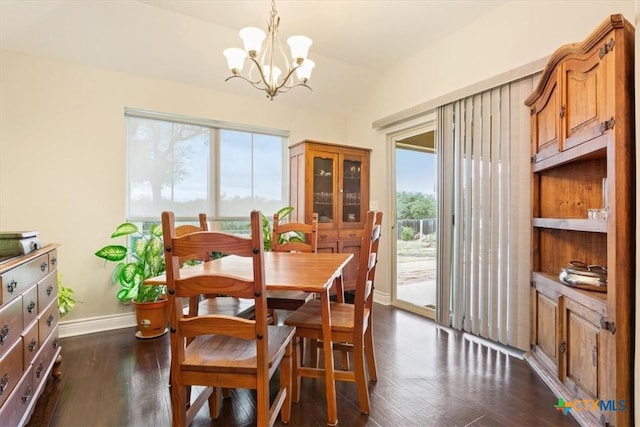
{"x": 288, "y": 300}
{"x": 309, "y": 316}
{"x": 229, "y": 306}
{"x": 223, "y": 354}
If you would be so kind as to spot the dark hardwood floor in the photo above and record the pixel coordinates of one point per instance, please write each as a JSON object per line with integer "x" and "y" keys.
{"x": 428, "y": 376}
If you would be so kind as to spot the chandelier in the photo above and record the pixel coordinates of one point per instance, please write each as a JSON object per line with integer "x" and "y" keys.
{"x": 266, "y": 72}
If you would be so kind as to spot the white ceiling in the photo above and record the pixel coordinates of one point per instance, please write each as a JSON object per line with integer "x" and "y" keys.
{"x": 354, "y": 41}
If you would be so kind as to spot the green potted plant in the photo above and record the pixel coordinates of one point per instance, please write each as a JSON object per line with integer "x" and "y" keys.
{"x": 144, "y": 259}
{"x": 66, "y": 298}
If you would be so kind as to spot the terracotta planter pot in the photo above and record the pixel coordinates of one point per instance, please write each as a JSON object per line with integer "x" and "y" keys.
{"x": 152, "y": 317}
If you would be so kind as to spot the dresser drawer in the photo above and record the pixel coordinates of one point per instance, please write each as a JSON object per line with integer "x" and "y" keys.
{"x": 17, "y": 280}
{"x": 45, "y": 358}
{"x": 30, "y": 343}
{"x": 10, "y": 370}
{"x": 30, "y": 305}
{"x": 351, "y": 234}
{"x": 10, "y": 324}
{"x": 53, "y": 260}
{"x": 327, "y": 235}
{"x": 47, "y": 321}
{"x": 47, "y": 290}
{"x": 15, "y": 408}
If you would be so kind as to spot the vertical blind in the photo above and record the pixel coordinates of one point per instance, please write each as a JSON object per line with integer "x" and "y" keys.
{"x": 484, "y": 230}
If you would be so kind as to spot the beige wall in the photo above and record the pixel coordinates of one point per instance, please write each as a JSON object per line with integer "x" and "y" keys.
{"x": 62, "y": 155}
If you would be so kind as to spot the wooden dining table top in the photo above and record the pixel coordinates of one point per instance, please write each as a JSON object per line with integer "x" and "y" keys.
{"x": 309, "y": 272}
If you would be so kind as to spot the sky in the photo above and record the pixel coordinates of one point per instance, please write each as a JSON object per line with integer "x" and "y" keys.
{"x": 415, "y": 171}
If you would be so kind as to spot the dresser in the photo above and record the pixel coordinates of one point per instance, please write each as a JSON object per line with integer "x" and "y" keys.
{"x": 331, "y": 180}
{"x": 583, "y": 160}
{"x": 29, "y": 349}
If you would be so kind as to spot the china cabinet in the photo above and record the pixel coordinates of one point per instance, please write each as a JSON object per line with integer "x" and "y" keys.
{"x": 583, "y": 160}
{"x": 331, "y": 180}
{"x": 29, "y": 349}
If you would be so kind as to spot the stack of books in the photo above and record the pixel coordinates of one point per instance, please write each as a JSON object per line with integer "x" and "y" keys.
{"x": 16, "y": 243}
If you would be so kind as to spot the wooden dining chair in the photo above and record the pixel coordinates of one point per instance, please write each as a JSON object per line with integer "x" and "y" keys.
{"x": 291, "y": 237}
{"x": 211, "y": 303}
{"x": 351, "y": 324}
{"x": 226, "y": 351}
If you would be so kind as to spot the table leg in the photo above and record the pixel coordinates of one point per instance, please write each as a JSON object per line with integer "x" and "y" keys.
{"x": 330, "y": 379}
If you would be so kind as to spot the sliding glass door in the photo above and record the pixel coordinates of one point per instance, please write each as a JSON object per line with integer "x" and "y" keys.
{"x": 415, "y": 223}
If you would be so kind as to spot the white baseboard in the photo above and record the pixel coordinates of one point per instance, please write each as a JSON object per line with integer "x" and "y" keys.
{"x": 92, "y": 325}
{"x": 380, "y": 298}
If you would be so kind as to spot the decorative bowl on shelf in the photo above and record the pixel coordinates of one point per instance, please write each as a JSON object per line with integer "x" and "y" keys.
{"x": 583, "y": 276}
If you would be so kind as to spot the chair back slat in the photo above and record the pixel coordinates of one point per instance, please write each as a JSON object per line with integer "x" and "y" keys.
{"x": 220, "y": 325}
{"x": 199, "y": 285}
{"x": 294, "y": 236}
{"x": 214, "y": 240}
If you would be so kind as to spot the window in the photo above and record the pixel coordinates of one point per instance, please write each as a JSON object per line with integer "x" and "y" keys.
{"x": 190, "y": 165}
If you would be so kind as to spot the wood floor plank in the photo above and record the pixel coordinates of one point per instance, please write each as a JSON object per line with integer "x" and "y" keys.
{"x": 427, "y": 376}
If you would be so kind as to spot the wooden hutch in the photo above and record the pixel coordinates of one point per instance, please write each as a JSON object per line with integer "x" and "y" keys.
{"x": 582, "y": 134}
{"x": 331, "y": 180}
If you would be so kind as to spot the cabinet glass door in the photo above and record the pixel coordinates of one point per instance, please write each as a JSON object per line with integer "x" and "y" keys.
{"x": 324, "y": 172}
{"x": 351, "y": 191}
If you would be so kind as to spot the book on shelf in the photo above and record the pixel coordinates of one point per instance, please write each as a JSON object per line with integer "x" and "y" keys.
{"x": 16, "y": 243}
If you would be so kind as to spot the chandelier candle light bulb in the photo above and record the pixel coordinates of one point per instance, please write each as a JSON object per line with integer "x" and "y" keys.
{"x": 268, "y": 64}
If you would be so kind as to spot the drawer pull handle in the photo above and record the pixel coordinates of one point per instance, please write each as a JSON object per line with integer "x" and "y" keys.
{"x": 39, "y": 370}
{"x": 32, "y": 345}
{"x": 31, "y": 306}
{"x": 50, "y": 320}
{"x": 11, "y": 287}
{"x": 27, "y": 395}
{"x": 323, "y": 236}
{"x": 54, "y": 261}
{"x": 3, "y": 333}
{"x": 352, "y": 235}
{"x": 43, "y": 266}
{"x": 49, "y": 290}
{"x": 4, "y": 383}
{"x": 55, "y": 343}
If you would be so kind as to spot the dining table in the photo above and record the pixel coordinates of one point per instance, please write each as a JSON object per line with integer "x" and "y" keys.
{"x": 320, "y": 273}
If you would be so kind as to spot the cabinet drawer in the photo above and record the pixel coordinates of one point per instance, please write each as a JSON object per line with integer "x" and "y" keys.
{"x": 14, "y": 410}
{"x": 18, "y": 279}
{"x": 47, "y": 290}
{"x": 10, "y": 371}
{"x": 30, "y": 343}
{"x": 47, "y": 321}
{"x": 351, "y": 234}
{"x": 53, "y": 260}
{"x": 44, "y": 359}
{"x": 327, "y": 236}
{"x": 10, "y": 324}
{"x": 30, "y": 305}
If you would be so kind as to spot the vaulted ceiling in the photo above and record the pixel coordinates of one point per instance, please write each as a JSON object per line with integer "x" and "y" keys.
{"x": 354, "y": 42}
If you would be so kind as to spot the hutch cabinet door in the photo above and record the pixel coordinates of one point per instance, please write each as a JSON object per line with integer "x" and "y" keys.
{"x": 545, "y": 327}
{"x": 324, "y": 170}
{"x": 352, "y": 203}
{"x": 584, "y": 103}
{"x": 583, "y": 351}
{"x": 545, "y": 121}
